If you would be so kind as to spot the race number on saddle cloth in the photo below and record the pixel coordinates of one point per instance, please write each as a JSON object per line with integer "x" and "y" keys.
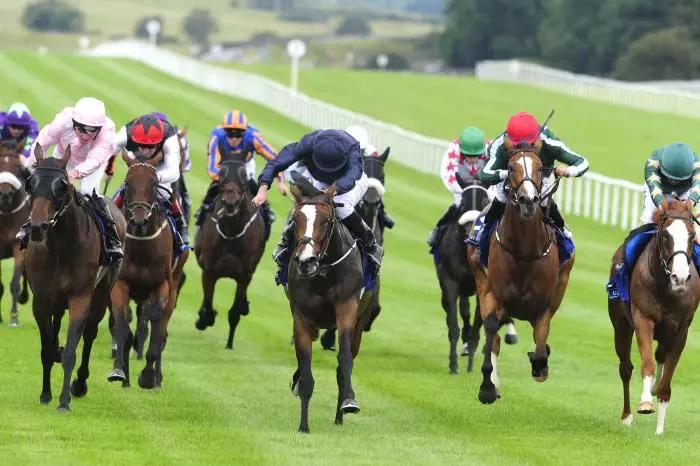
{"x": 145, "y": 137}
{"x": 89, "y": 133}
{"x": 670, "y": 172}
{"x": 330, "y": 157}
{"x": 19, "y": 125}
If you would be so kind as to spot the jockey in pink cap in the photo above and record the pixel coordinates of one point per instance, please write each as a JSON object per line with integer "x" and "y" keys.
{"x": 90, "y": 134}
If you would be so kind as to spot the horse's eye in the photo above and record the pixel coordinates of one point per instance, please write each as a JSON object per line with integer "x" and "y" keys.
{"x": 511, "y": 169}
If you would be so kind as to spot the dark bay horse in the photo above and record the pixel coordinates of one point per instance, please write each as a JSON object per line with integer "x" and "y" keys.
{"x": 456, "y": 280}
{"x": 664, "y": 293}
{"x": 229, "y": 244}
{"x": 14, "y": 210}
{"x": 524, "y": 278}
{"x": 64, "y": 271}
{"x": 149, "y": 275}
{"x": 325, "y": 289}
{"x": 369, "y": 210}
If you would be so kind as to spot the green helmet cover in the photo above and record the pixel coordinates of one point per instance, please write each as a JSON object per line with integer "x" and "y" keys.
{"x": 471, "y": 141}
{"x": 677, "y": 161}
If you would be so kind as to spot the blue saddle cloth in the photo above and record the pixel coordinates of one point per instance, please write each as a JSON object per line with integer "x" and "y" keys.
{"x": 564, "y": 244}
{"x": 618, "y": 287}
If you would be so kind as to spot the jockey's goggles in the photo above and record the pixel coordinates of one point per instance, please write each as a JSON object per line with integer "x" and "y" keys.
{"x": 85, "y": 128}
{"x": 234, "y": 133}
{"x": 18, "y": 127}
{"x": 147, "y": 146}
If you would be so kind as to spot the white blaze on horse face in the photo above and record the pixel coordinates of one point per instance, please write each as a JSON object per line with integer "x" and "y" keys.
{"x": 309, "y": 212}
{"x": 679, "y": 233}
{"x": 528, "y": 185}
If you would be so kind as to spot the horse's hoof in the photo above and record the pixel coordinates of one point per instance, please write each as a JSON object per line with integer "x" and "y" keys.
{"x": 350, "y": 406}
{"x": 627, "y": 420}
{"x": 45, "y": 398}
{"x": 117, "y": 375}
{"x": 63, "y": 409}
{"x": 206, "y": 319}
{"x": 147, "y": 379}
{"x": 229, "y": 346}
{"x": 244, "y": 310}
{"x": 645, "y": 407}
{"x": 126, "y": 384}
{"x": 488, "y": 396}
{"x": 511, "y": 339}
{"x": 453, "y": 371}
{"x": 304, "y": 430}
{"x": 14, "y": 322}
{"x": 465, "y": 349}
{"x": 328, "y": 341}
{"x": 78, "y": 388}
{"x": 23, "y": 297}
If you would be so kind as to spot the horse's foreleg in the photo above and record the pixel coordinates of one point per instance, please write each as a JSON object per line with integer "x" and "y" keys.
{"x": 147, "y": 378}
{"x": 78, "y": 309}
{"x": 538, "y": 359}
{"x": 375, "y": 308}
{"x": 15, "y": 287}
{"x": 163, "y": 331}
{"x": 474, "y": 335}
{"x": 488, "y": 392}
{"x": 450, "y": 296}
{"x": 120, "y": 314}
{"x": 79, "y": 386}
{"x": 511, "y": 333}
{"x": 644, "y": 328}
{"x": 663, "y": 388}
{"x": 302, "y": 380}
{"x": 623, "y": 343}
{"x": 207, "y": 313}
{"x": 346, "y": 323}
{"x": 240, "y": 308}
{"x": 43, "y": 320}
{"x": 465, "y": 313}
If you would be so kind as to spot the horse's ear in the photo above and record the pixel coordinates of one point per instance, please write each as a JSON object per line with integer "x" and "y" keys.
{"x": 330, "y": 192}
{"x": 66, "y": 157}
{"x": 242, "y": 176}
{"x": 38, "y": 152}
{"x": 127, "y": 160}
{"x": 508, "y": 144}
{"x": 385, "y": 154}
{"x": 296, "y": 193}
{"x": 157, "y": 160}
{"x": 460, "y": 180}
{"x": 664, "y": 204}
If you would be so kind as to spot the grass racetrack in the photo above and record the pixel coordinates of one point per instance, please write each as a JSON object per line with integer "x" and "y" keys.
{"x": 235, "y": 407}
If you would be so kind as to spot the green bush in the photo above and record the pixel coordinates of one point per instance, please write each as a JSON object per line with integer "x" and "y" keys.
{"x": 198, "y": 24}
{"x": 353, "y": 25}
{"x": 53, "y": 15}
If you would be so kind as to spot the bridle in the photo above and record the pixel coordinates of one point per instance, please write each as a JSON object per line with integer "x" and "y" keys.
{"x": 659, "y": 231}
{"x": 60, "y": 208}
{"x": 148, "y": 208}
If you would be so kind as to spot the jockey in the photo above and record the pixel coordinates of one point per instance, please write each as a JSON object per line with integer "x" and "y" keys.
{"x": 466, "y": 156}
{"x": 330, "y": 156}
{"x": 146, "y": 136}
{"x": 17, "y": 123}
{"x": 523, "y": 129}
{"x": 368, "y": 150}
{"x": 236, "y": 138}
{"x": 90, "y": 134}
{"x": 670, "y": 169}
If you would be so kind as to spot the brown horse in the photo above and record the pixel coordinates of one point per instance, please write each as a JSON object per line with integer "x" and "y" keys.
{"x": 64, "y": 271}
{"x": 14, "y": 210}
{"x": 325, "y": 289}
{"x": 149, "y": 273}
{"x": 524, "y": 278}
{"x": 664, "y": 293}
{"x": 229, "y": 244}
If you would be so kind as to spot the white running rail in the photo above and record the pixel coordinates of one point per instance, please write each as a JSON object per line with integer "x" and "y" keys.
{"x": 605, "y": 200}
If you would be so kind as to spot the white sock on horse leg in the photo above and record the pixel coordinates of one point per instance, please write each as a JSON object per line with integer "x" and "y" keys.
{"x": 510, "y": 329}
{"x": 663, "y": 406}
{"x": 494, "y": 373}
{"x": 646, "y": 391}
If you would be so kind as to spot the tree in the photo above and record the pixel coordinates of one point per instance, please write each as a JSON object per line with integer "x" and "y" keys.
{"x": 53, "y": 15}
{"x": 665, "y": 54}
{"x": 140, "y": 30}
{"x": 198, "y": 24}
{"x": 353, "y": 24}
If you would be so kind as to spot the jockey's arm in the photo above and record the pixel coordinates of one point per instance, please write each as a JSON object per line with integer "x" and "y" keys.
{"x": 354, "y": 172}
{"x": 577, "y": 164}
{"x": 695, "y": 190}
{"x": 449, "y": 168}
{"x": 496, "y": 168}
{"x": 285, "y": 158}
{"x": 169, "y": 169}
{"x": 213, "y": 157}
{"x": 652, "y": 177}
{"x": 120, "y": 140}
{"x": 268, "y": 152}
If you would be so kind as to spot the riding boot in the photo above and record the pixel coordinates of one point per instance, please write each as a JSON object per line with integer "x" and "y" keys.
{"x": 493, "y": 212}
{"x": 23, "y": 235}
{"x": 361, "y": 231}
{"x": 286, "y": 239}
{"x": 555, "y": 216}
{"x": 113, "y": 245}
{"x": 436, "y": 233}
{"x": 185, "y": 197}
{"x": 207, "y": 203}
{"x": 182, "y": 229}
{"x": 385, "y": 219}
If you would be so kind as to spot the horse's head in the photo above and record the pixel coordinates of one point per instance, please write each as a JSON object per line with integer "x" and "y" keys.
{"x": 233, "y": 188}
{"x": 10, "y": 171}
{"x": 374, "y": 169}
{"x": 50, "y": 190}
{"x": 141, "y": 190}
{"x": 675, "y": 237}
{"x": 524, "y": 182}
{"x": 474, "y": 195}
{"x": 314, "y": 218}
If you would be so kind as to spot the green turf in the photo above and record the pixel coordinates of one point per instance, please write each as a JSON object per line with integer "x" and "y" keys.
{"x": 615, "y": 139}
{"x": 234, "y": 407}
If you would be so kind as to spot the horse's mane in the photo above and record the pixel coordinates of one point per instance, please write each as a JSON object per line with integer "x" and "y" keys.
{"x": 50, "y": 162}
{"x": 512, "y": 149}
{"x": 676, "y": 207}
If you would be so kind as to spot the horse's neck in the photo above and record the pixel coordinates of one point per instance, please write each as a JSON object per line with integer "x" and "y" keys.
{"x": 67, "y": 232}
{"x": 339, "y": 242}
{"x": 656, "y": 270}
{"x": 526, "y": 236}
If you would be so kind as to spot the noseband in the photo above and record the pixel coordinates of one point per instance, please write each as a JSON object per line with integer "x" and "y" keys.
{"x": 149, "y": 208}
{"x": 665, "y": 262}
{"x": 326, "y": 241}
{"x": 512, "y": 191}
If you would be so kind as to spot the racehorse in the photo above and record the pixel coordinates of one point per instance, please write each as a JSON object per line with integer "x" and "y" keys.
{"x": 14, "y": 210}
{"x": 369, "y": 210}
{"x": 229, "y": 244}
{"x": 63, "y": 266}
{"x": 525, "y": 279}
{"x": 664, "y": 293}
{"x": 325, "y": 289}
{"x": 149, "y": 275}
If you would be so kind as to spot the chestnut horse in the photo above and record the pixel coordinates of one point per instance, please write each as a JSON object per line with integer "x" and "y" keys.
{"x": 149, "y": 275}
{"x": 325, "y": 289}
{"x": 524, "y": 278}
{"x": 14, "y": 210}
{"x": 664, "y": 293}
{"x": 63, "y": 266}
{"x": 229, "y": 244}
